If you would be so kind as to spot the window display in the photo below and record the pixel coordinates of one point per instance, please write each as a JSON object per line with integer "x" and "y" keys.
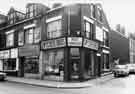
{"x": 54, "y": 62}
{"x": 10, "y": 64}
{"x": 31, "y": 65}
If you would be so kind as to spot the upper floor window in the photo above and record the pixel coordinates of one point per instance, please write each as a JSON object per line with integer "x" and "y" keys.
{"x": 88, "y": 29}
{"x": 32, "y": 35}
{"x": 99, "y": 34}
{"x": 29, "y": 34}
{"x": 54, "y": 29}
{"x": 21, "y": 38}
{"x": 106, "y": 38}
{"x": 9, "y": 38}
{"x": 99, "y": 12}
{"x": 11, "y": 18}
{"x": 31, "y": 11}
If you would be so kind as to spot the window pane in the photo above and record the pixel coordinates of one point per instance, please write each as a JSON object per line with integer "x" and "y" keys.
{"x": 10, "y": 39}
{"x": 99, "y": 33}
{"x": 54, "y": 61}
{"x": 54, "y": 29}
{"x": 29, "y": 36}
{"x": 21, "y": 38}
{"x": 37, "y": 35}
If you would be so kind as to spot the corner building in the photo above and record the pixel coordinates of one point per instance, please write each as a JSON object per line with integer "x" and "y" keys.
{"x": 75, "y": 43}
{"x": 64, "y": 43}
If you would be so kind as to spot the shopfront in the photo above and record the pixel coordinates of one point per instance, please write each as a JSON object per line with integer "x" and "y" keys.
{"x": 53, "y": 59}
{"x": 9, "y": 61}
{"x": 29, "y": 61}
{"x": 75, "y": 60}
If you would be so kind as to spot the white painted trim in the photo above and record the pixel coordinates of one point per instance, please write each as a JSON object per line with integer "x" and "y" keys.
{"x": 29, "y": 26}
{"x": 105, "y": 29}
{"x": 11, "y": 31}
{"x": 98, "y": 54}
{"x": 106, "y": 51}
{"x": 53, "y": 19}
{"x": 88, "y": 19}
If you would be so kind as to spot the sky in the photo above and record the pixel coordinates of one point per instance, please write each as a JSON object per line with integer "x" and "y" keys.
{"x": 117, "y": 11}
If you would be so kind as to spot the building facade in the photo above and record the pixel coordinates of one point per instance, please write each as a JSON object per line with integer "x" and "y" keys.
{"x": 120, "y": 49}
{"x": 63, "y": 43}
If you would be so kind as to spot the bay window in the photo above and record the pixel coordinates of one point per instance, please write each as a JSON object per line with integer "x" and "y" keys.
{"x": 54, "y": 29}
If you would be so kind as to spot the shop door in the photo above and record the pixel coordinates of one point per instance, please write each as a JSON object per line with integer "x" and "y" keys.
{"x": 75, "y": 68}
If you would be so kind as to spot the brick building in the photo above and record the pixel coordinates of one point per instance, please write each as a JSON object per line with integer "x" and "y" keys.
{"x": 62, "y": 43}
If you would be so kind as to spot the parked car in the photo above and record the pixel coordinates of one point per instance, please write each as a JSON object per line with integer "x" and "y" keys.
{"x": 120, "y": 70}
{"x": 131, "y": 68}
{"x": 2, "y": 76}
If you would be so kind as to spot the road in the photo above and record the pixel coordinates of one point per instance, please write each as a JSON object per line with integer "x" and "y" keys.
{"x": 121, "y": 85}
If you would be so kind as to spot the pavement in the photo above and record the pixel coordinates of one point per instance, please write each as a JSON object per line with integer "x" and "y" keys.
{"x": 65, "y": 85}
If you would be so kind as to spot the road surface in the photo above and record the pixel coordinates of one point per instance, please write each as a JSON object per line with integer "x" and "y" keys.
{"x": 121, "y": 85}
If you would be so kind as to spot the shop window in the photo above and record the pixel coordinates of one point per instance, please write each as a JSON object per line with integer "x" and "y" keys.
{"x": 31, "y": 65}
{"x": 105, "y": 61}
{"x": 54, "y": 62}
{"x": 10, "y": 64}
{"x": 21, "y": 38}
{"x": 106, "y": 39}
{"x": 54, "y": 29}
{"x": 10, "y": 39}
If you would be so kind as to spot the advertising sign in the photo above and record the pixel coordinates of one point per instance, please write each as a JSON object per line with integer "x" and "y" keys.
{"x": 74, "y": 41}
{"x": 53, "y": 43}
{"x": 90, "y": 44}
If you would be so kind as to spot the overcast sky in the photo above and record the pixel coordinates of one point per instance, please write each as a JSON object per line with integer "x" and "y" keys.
{"x": 117, "y": 11}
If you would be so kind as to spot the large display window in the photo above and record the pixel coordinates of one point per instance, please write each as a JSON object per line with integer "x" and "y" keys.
{"x": 31, "y": 65}
{"x": 10, "y": 64}
{"x": 54, "y": 62}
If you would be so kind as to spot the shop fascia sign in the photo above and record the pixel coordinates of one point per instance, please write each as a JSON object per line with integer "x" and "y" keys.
{"x": 4, "y": 54}
{"x": 90, "y": 44}
{"x": 56, "y": 43}
{"x": 29, "y": 50}
{"x": 74, "y": 41}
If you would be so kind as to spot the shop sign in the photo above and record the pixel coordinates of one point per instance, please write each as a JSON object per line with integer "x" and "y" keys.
{"x": 29, "y": 50}
{"x": 106, "y": 51}
{"x": 4, "y": 54}
{"x": 53, "y": 43}
{"x": 74, "y": 41}
{"x": 14, "y": 53}
{"x": 90, "y": 44}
